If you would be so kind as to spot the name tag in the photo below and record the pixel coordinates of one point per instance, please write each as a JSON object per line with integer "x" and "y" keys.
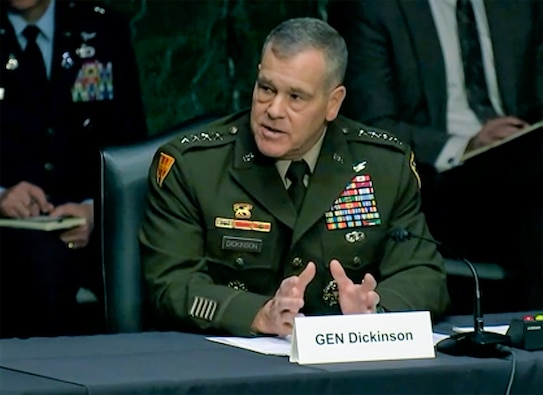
{"x": 246, "y": 244}
{"x": 362, "y": 337}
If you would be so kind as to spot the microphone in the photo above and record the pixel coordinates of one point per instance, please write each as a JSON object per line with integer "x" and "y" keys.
{"x": 477, "y": 343}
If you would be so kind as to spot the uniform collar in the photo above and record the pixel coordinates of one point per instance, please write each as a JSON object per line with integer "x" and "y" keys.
{"x": 46, "y": 23}
{"x": 310, "y": 157}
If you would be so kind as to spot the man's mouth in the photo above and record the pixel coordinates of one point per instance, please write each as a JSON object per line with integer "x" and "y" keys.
{"x": 271, "y": 129}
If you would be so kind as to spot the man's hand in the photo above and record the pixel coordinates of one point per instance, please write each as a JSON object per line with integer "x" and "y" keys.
{"x": 24, "y": 200}
{"x": 496, "y": 129}
{"x": 354, "y": 298}
{"x": 77, "y": 237}
{"x": 277, "y": 315}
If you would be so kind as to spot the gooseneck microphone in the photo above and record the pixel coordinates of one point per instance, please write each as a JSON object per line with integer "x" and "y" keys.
{"x": 477, "y": 343}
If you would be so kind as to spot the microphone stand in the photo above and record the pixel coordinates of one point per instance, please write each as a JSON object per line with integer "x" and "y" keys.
{"x": 476, "y": 343}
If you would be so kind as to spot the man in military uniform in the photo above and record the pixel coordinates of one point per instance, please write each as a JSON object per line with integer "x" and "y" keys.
{"x": 68, "y": 86}
{"x": 287, "y": 209}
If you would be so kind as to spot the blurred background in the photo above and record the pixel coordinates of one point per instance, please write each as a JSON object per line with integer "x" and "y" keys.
{"x": 200, "y": 56}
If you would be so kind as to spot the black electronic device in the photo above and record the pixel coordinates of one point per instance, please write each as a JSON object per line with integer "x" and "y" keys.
{"x": 477, "y": 343}
{"x": 526, "y": 334}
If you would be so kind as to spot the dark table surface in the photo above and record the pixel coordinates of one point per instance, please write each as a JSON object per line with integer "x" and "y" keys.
{"x": 182, "y": 363}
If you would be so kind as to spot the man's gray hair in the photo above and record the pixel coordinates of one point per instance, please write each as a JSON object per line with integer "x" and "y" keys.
{"x": 299, "y": 34}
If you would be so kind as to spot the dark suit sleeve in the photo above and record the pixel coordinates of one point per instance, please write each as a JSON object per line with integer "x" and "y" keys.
{"x": 174, "y": 259}
{"x": 371, "y": 80}
{"x": 412, "y": 272}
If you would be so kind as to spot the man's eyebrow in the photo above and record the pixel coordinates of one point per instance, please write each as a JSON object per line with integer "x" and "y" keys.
{"x": 263, "y": 80}
{"x": 291, "y": 89}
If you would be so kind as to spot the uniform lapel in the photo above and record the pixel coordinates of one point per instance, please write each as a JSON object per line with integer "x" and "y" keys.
{"x": 9, "y": 44}
{"x": 421, "y": 27}
{"x": 333, "y": 172}
{"x": 259, "y": 178}
{"x": 65, "y": 63}
{"x": 500, "y": 14}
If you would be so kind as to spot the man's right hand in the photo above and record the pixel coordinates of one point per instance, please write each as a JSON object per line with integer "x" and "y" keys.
{"x": 24, "y": 200}
{"x": 496, "y": 129}
{"x": 276, "y": 317}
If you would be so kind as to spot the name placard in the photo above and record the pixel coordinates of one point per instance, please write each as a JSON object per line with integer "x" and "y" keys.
{"x": 362, "y": 337}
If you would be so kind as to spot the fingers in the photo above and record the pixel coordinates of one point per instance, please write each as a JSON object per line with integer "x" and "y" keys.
{"x": 24, "y": 200}
{"x": 514, "y": 121}
{"x": 39, "y": 199}
{"x": 368, "y": 283}
{"x": 338, "y": 274}
{"x": 305, "y": 277}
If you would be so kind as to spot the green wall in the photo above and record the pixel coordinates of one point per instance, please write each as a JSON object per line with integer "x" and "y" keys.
{"x": 200, "y": 56}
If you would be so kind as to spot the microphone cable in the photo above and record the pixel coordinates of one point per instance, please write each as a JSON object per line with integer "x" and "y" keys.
{"x": 508, "y": 352}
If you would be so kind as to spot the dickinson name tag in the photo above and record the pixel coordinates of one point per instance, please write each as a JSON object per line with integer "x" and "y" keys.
{"x": 362, "y": 337}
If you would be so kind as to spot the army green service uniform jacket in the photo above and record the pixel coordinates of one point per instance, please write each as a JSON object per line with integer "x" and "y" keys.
{"x": 220, "y": 232}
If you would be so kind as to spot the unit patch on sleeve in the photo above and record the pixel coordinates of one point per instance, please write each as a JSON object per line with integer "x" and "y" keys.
{"x": 165, "y": 164}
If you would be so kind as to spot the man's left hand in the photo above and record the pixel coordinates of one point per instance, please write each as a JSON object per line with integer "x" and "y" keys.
{"x": 79, "y": 236}
{"x": 354, "y": 298}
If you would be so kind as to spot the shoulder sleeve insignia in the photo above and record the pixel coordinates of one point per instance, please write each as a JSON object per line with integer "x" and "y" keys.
{"x": 413, "y": 167}
{"x": 165, "y": 164}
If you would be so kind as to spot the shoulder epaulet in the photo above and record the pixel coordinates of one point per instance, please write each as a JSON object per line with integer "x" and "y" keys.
{"x": 356, "y": 131}
{"x": 214, "y": 133}
{"x": 206, "y": 136}
{"x": 89, "y": 7}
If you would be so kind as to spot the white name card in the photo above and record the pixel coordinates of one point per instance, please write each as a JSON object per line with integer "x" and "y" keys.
{"x": 362, "y": 337}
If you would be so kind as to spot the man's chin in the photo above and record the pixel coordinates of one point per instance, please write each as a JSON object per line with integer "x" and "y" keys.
{"x": 270, "y": 150}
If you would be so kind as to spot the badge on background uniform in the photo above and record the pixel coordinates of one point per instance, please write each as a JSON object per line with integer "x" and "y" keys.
{"x": 164, "y": 166}
{"x": 94, "y": 82}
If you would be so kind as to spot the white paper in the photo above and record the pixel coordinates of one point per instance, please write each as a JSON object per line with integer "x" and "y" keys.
{"x": 501, "y": 329}
{"x": 279, "y": 346}
{"x": 264, "y": 345}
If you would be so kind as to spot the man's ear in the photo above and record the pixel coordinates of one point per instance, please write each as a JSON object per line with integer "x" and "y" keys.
{"x": 334, "y": 102}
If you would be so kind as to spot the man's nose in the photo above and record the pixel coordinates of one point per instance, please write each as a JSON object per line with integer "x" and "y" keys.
{"x": 276, "y": 109}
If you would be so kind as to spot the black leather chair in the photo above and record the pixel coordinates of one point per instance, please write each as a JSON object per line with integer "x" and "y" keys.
{"x": 123, "y": 186}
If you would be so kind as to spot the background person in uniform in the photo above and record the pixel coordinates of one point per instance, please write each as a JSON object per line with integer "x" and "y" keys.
{"x": 68, "y": 86}
{"x": 446, "y": 77}
{"x": 231, "y": 244}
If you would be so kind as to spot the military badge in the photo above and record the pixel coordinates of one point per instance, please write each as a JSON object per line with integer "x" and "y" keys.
{"x": 13, "y": 63}
{"x": 67, "y": 62}
{"x": 413, "y": 167}
{"x": 165, "y": 164}
{"x": 354, "y": 236}
{"x": 360, "y": 166}
{"x": 94, "y": 82}
{"x": 241, "y": 224}
{"x": 238, "y": 285}
{"x": 88, "y": 36}
{"x": 355, "y": 207}
{"x": 242, "y": 210}
{"x": 85, "y": 51}
{"x": 330, "y": 293}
